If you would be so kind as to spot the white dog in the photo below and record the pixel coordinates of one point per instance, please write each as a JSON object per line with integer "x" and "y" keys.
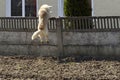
{"x": 43, "y": 15}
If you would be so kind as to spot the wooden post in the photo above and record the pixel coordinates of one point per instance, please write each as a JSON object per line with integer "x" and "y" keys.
{"x": 59, "y": 37}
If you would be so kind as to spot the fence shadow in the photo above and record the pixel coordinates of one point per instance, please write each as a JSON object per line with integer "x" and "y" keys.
{"x": 66, "y": 59}
{"x": 88, "y": 58}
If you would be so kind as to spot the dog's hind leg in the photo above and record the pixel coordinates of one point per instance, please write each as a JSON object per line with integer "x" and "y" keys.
{"x": 46, "y": 37}
{"x": 35, "y": 34}
{"x": 41, "y": 35}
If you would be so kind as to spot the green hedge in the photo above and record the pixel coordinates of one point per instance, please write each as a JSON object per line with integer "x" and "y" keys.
{"x": 77, "y": 8}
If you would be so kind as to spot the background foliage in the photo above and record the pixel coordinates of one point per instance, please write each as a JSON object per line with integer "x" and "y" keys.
{"x": 77, "y": 8}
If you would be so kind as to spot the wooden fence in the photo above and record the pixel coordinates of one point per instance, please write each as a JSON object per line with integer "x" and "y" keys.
{"x": 100, "y": 23}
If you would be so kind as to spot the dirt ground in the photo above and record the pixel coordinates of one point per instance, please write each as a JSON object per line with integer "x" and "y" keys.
{"x": 49, "y": 68}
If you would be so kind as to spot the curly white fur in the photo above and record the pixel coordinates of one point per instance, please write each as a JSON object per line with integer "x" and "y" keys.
{"x": 43, "y": 15}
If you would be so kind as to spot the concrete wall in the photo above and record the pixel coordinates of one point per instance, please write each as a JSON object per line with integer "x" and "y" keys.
{"x": 75, "y": 43}
{"x": 92, "y": 43}
{"x": 2, "y": 8}
{"x": 100, "y": 7}
{"x": 19, "y": 43}
{"x": 106, "y": 7}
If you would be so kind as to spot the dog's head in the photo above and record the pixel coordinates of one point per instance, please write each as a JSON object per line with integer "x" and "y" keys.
{"x": 45, "y": 6}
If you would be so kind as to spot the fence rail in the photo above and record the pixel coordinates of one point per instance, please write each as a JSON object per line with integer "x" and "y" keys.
{"x": 67, "y": 23}
{"x": 17, "y": 24}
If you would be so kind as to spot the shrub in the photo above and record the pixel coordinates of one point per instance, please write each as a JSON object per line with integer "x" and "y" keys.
{"x": 78, "y": 8}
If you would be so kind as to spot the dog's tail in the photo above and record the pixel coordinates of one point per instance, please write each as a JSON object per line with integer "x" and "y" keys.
{"x": 35, "y": 34}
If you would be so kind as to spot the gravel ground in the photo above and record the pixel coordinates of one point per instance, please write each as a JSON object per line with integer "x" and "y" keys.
{"x": 48, "y": 68}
